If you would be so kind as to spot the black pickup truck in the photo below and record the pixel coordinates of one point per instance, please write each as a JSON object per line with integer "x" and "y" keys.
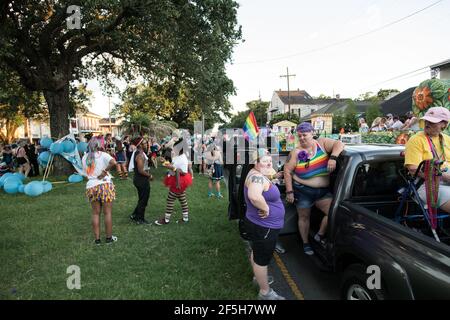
{"x": 364, "y": 229}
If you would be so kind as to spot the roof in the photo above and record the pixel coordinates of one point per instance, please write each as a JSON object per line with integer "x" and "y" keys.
{"x": 295, "y": 97}
{"x": 336, "y": 106}
{"x": 91, "y": 114}
{"x": 440, "y": 64}
{"x": 400, "y": 104}
{"x": 285, "y": 123}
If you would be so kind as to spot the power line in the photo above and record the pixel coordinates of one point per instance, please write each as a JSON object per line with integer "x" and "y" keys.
{"x": 345, "y": 40}
{"x": 400, "y": 76}
{"x": 411, "y": 75}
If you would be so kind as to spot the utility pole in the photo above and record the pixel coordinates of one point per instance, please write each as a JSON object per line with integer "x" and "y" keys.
{"x": 109, "y": 113}
{"x": 287, "y": 75}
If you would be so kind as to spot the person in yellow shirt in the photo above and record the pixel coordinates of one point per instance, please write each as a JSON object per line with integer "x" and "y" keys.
{"x": 432, "y": 143}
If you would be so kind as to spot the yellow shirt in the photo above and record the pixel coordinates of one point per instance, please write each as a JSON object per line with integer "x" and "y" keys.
{"x": 418, "y": 149}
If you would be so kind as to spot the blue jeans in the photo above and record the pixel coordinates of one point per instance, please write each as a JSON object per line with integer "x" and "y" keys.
{"x": 306, "y": 196}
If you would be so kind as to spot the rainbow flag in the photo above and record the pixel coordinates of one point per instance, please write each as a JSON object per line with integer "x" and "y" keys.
{"x": 251, "y": 129}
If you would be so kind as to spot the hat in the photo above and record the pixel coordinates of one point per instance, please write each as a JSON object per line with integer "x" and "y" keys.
{"x": 305, "y": 127}
{"x": 389, "y": 115}
{"x": 437, "y": 114}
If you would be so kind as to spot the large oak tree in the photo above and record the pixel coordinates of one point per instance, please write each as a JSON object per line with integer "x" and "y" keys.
{"x": 173, "y": 40}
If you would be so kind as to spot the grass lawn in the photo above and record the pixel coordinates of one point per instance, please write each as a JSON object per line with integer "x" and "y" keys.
{"x": 41, "y": 237}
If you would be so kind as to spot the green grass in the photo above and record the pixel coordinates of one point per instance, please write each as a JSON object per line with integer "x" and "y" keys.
{"x": 41, "y": 237}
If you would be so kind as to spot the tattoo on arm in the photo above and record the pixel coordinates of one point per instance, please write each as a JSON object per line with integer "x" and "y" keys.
{"x": 256, "y": 179}
{"x": 289, "y": 157}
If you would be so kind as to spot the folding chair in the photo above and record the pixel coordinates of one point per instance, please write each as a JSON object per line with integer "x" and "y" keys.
{"x": 413, "y": 183}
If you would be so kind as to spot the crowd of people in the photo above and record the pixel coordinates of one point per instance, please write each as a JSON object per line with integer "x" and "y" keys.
{"x": 390, "y": 122}
{"x": 137, "y": 155}
{"x": 20, "y": 157}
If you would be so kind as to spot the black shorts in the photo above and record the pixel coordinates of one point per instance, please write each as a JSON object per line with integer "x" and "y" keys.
{"x": 262, "y": 241}
{"x": 21, "y": 161}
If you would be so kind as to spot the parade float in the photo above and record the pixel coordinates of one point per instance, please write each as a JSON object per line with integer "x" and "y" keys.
{"x": 430, "y": 93}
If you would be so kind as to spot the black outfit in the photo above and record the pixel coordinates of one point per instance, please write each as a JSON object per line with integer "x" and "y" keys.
{"x": 167, "y": 154}
{"x": 32, "y": 156}
{"x": 142, "y": 185}
{"x": 127, "y": 150}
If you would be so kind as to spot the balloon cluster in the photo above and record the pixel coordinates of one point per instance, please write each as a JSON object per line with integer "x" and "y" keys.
{"x": 65, "y": 146}
{"x": 12, "y": 183}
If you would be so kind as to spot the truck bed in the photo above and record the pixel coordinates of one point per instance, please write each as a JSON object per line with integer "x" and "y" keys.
{"x": 411, "y": 218}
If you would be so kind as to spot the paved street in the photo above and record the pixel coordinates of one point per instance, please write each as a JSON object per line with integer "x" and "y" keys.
{"x": 298, "y": 276}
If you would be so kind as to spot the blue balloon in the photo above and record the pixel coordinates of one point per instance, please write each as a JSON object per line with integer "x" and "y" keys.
{"x": 20, "y": 175}
{"x": 6, "y": 175}
{"x": 12, "y": 178}
{"x": 56, "y": 148}
{"x": 82, "y": 147}
{"x": 12, "y": 186}
{"x": 43, "y": 158}
{"x": 21, "y": 188}
{"x": 46, "y": 142}
{"x": 3, "y": 178}
{"x": 34, "y": 189}
{"x": 68, "y": 146}
{"x": 74, "y": 178}
{"x": 47, "y": 186}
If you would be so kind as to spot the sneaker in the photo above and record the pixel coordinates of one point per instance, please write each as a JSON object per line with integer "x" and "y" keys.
{"x": 182, "y": 221}
{"x": 320, "y": 239}
{"x": 111, "y": 240}
{"x": 219, "y": 196}
{"x": 97, "y": 241}
{"x": 210, "y": 195}
{"x": 270, "y": 280}
{"x": 161, "y": 221}
{"x": 271, "y": 295}
{"x": 308, "y": 250}
{"x": 132, "y": 217}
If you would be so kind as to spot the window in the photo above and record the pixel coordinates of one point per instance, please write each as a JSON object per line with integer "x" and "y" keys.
{"x": 378, "y": 179}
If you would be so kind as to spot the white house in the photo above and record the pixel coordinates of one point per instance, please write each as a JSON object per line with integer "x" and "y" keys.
{"x": 441, "y": 70}
{"x": 301, "y": 103}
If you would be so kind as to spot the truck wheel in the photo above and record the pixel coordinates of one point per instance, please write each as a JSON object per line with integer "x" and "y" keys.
{"x": 354, "y": 285}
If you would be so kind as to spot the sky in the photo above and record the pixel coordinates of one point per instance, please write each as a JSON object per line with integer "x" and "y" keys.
{"x": 345, "y": 47}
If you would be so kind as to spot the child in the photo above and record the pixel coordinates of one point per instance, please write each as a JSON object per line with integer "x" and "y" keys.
{"x": 178, "y": 180}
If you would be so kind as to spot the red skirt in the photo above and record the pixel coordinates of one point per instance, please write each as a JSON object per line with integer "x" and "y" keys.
{"x": 185, "y": 182}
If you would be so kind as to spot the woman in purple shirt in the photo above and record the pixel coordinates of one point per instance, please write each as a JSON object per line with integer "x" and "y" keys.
{"x": 264, "y": 219}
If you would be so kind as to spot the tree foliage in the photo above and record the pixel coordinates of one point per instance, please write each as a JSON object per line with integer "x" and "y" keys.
{"x": 259, "y": 109}
{"x": 17, "y": 104}
{"x": 163, "y": 101}
{"x": 280, "y": 117}
{"x": 372, "y": 112}
{"x": 183, "y": 42}
{"x": 351, "y": 122}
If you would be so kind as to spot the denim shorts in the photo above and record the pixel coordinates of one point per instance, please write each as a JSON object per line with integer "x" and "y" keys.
{"x": 306, "y": 196}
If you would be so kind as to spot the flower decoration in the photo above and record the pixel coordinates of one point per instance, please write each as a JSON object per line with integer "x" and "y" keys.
{"x": 422, "y": 97}
{"x": 303, "y": 156}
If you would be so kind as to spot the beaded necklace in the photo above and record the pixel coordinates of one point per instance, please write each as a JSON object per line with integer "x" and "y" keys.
{"x": 433, "y": 173}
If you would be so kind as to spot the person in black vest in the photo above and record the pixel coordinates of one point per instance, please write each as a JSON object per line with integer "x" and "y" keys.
{"x": 141, "y": 180}
{"x": 32, "y": 156}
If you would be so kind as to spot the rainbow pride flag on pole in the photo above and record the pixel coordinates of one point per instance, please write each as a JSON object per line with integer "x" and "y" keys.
{"x": 251, "y": 129}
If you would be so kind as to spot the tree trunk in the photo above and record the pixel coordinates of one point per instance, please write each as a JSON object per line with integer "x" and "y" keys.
{"x": 58, "y": 107}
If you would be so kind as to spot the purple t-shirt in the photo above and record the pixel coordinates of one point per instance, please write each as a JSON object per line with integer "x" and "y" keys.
{"x": 275, "y": 220}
